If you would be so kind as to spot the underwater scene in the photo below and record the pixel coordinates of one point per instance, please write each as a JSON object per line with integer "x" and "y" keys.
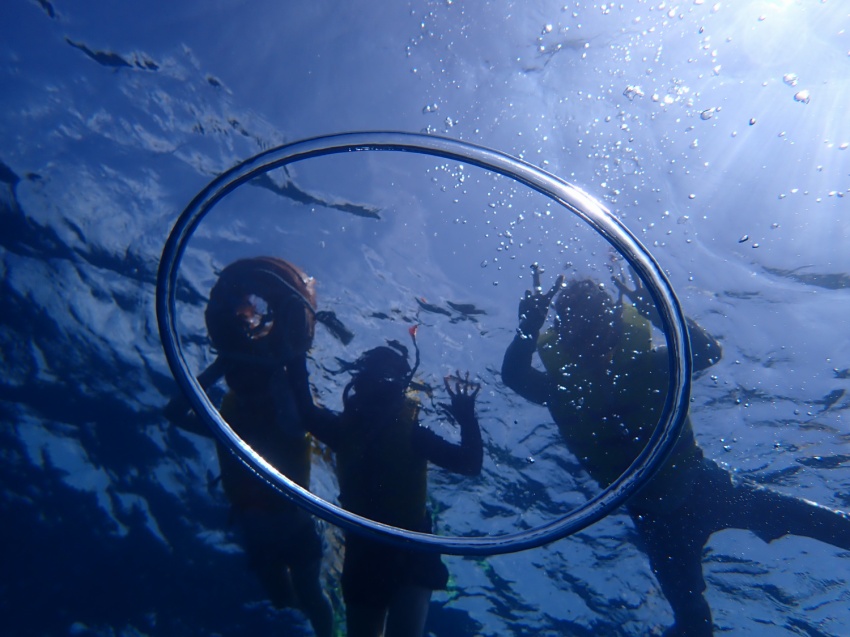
{"x": 427, "y": 318}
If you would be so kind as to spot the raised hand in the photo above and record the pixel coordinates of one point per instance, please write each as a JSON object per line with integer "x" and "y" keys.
{"x": 534, "y": 306}
{"x": 640, "y": 296}
{"x": 463, "y": 396}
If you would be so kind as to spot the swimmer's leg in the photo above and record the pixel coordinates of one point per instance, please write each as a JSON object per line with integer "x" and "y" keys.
{"x": 771, "y": 515}
{"x": 313, "y": 602}
{"x": 675, "y": 556}
{"x": 408, "y": 612}
{"x": 364, "y": 621}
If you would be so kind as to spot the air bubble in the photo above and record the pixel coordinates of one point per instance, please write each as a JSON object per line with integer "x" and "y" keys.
{"x": 790, "y": 79}
{"x": 633, "y": 91}
{"x": 804, "y": 97}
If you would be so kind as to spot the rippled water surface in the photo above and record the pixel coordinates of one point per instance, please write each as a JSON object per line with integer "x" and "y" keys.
{"x": 717, "y": 132}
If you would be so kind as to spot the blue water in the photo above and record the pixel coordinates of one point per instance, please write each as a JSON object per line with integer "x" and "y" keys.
{"x": 717, "y": 132}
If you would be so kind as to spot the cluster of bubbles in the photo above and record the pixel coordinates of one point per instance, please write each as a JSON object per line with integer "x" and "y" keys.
{"x": 803, "y": 96}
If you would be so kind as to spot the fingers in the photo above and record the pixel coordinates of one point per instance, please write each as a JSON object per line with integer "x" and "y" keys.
{"x": 559, "y": 282}
{"x": 463, "y": 386}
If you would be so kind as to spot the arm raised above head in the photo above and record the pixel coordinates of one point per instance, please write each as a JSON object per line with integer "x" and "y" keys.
{"x": 705, "y": 349}
{"x": 517, "y": 372}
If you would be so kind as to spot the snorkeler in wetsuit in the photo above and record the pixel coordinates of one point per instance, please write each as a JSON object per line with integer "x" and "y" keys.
{"x": 261, "y": 320}
{"x": 605, "y": 388}
{"x": 382, "y": 455}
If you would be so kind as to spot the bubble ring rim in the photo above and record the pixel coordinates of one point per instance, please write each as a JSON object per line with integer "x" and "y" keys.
{"x": 572, "y": 198}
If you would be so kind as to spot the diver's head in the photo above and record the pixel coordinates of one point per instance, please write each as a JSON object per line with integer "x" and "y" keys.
{"x": 587, "y": 318}
{"x": 261, "y": 310}
{"x": 382, "y": 372}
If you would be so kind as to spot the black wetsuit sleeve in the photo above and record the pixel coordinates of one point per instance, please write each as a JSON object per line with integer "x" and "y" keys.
{"x": 322, "y": 423}
{"x": 179, "y": 412}
{"x": 465, "y": 458}
{"x": 518, "y": 374}
{"x": 705, "y": 349}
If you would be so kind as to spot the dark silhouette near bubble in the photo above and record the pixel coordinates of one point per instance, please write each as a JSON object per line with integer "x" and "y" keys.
{"x": 605, "y": 385}
{"x": 261, "y": 319}
{"x": 382, "y": 454}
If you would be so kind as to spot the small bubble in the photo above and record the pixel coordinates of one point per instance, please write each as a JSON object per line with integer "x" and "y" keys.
{"x": 804, "y": 97}
{"x": 843, "y": 146}
{"x": 762, "y": 18}
{"x": 692, "y": 196}
{"x": 752, "y": 121}
{"x": 695, "y": 143}
{"x": 707, "y": 113}
{"x": 755, "y": 245}
{"x": 430, "y": 108}
{"x": 790, "y": 79}
{"x": 744, "y": 239}
{"x": 774, "y": 226}
{"x": 547, "y": 29}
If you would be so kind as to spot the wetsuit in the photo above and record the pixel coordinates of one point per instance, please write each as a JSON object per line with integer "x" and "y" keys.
{"x": 606, "y": 416}
{"x": 382, "y": 453}
{"x": 276, "y": 534}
